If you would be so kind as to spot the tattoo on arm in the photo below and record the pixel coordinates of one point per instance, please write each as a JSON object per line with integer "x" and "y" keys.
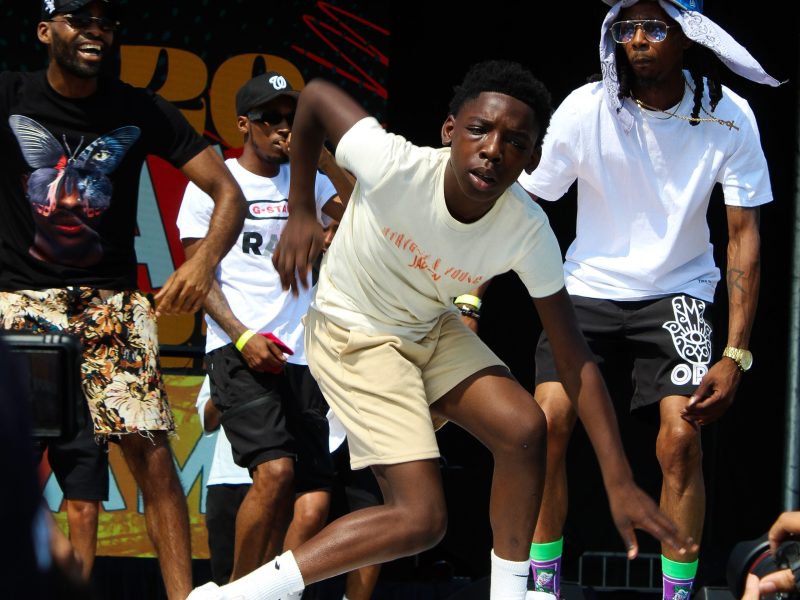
{"x": 736, "y": 280}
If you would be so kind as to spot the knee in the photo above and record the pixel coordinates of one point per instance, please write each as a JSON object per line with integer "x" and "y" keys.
{"x": 275, "y": 474}
{"x": 678, "y": 450}
{"x": 312, "y": 516}
{"x": 83, "y": 512}
{"x": 524, "y": 438}
{"x": 423, "y": 529}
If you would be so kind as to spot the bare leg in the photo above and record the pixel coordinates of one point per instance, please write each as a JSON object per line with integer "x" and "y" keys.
{"x": 310, "y": 516}
{"x": 411, "y": 520}
{"x": 683, "y": 492}
{"x": 165, "y": 511}
{"x": 361, "y": 582}
{"x": 560, "y": 422}
{"x": 497, "y": 410}
{"x": 263, "y": 516}
{"x": 82, "y": 516}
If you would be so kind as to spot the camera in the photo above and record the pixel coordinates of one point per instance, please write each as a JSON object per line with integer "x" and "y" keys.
{"x": 754, "y": 556}
{"x": 48, "y": 372}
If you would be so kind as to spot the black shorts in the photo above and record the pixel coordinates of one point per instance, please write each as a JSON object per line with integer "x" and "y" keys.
{"x": 268, "y": 416}
{"x": 79, "y": 464}
{"x": 665, "y": 344}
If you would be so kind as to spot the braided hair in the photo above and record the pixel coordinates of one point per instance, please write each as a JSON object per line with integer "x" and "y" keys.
{"x": 698, "y": 60}
{"x": 509, "y": 78}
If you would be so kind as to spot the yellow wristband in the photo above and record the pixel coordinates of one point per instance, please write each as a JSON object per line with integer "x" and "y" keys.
{"x": 244, "y": 338}
{"x": 469, "y": 300}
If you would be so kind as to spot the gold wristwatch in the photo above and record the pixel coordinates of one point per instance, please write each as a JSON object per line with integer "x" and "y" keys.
{"x": 743, "y": 358}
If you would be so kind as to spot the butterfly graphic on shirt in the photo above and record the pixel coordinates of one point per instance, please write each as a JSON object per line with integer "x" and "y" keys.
{"x": 60, "y": 171}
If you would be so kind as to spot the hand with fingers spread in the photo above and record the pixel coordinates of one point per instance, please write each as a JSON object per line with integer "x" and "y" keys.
{"x": 632, "y": 508}
{"x": 186, "y": 289}
{"x": 715, "y": 393}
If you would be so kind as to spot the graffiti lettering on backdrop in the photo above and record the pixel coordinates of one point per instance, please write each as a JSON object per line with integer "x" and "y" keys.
{"x": 198, "y": 61}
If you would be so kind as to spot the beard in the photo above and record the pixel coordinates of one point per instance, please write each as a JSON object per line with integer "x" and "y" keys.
{"x": 66, "y": 56}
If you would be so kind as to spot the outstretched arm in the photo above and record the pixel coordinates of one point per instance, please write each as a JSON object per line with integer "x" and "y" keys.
{"x": 630, "y": 506}
{"x": 717, "y": 389}
{"x": 323, "y": 110}
{"x": 186, "y": 288}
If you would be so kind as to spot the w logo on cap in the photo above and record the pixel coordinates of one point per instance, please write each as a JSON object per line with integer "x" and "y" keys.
{"x": 278, "y": 82}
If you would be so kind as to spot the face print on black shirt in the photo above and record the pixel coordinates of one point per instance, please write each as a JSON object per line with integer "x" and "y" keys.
{"x": 69, "y": 190}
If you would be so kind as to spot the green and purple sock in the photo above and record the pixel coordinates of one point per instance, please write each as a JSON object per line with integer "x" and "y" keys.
{"x": 546, "y": 567}
{"x": 678, "y": 578}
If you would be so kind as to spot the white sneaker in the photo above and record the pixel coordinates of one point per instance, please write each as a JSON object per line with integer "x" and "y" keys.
{"x": 531, "y": 595}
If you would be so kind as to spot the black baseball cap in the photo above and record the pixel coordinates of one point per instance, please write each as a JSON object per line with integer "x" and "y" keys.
{"x": 54, "y": 7}
{"x": 261, "y": 89}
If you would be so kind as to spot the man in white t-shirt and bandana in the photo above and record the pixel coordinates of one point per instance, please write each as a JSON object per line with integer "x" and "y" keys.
{"x": 272, "y": 409}
{"x": 647, "y": 145}
{"x": 388, "y": 347}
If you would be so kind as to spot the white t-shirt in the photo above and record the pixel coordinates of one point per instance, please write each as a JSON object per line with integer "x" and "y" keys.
{"x": 223, "y": 470}
{"x": 248, "y": 280}
{"x": 399, "y": 257}
{"x": 642, "y": 230}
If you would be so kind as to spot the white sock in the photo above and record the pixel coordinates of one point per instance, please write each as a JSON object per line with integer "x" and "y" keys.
{"x": 509, "y": 580}
{"x": 272, "y": 581}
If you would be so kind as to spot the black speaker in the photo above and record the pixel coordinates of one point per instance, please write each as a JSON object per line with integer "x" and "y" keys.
{"x": 48, "y": 369}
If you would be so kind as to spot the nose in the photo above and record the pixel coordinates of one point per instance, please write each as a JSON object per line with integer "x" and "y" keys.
{"x": 492, "y": 147}
{"x": 639, "y": 38}
{"x": 69, "y": 200}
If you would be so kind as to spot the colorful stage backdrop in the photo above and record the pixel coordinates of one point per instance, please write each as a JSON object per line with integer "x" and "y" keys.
{"x": 198, "y": 57}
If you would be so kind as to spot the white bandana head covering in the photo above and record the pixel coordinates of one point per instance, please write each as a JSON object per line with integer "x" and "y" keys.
{"x": 698, "y": 28}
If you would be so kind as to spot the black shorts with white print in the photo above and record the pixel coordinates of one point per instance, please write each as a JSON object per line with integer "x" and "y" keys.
{"x": 665, "y": 344}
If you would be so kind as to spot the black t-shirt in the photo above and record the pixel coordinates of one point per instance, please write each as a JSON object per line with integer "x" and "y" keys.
{"x": 69, "y": 179}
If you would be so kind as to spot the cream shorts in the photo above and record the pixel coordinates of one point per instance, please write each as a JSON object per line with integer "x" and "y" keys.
{"x": 381, "y": 386}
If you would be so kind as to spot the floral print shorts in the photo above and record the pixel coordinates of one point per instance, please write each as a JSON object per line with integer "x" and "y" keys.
{"x": 120, "y": 372}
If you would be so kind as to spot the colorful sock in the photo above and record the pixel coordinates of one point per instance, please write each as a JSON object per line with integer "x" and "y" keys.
{"x": 678, "y": 578}
{"x": 271, "y": 581}
{"x": 546, "y": 566}
{"x": 509, "y": 579}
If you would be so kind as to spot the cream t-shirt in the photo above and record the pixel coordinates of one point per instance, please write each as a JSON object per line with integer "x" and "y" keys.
{"x": 399, "y": 257}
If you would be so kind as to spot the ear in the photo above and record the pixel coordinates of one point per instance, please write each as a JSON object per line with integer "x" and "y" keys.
{"x": 447, "y": 130}
{"x": 43, "y": 32}
{"x": 243, "y": 124}
{"x": 534, "y": 161}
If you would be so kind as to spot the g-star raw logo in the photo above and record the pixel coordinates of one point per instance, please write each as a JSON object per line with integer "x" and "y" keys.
{"x": 691, "y": 335}
{"x": 278, "y": 82}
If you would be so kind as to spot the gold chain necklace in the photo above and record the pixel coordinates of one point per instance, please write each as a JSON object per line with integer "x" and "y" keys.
{"x": 709, "y": 119}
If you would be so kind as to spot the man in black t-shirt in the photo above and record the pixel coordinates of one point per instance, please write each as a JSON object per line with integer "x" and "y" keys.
{"x": 73, "y": 143}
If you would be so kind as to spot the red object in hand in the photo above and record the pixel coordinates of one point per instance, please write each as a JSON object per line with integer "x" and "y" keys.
{"x": 281, "y": 346}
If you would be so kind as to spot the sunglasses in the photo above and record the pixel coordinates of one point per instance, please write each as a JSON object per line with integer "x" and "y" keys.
{"x": 655, "y": 31}
{"x": 272, "y": 117}
{"x": 83, "y": 22}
